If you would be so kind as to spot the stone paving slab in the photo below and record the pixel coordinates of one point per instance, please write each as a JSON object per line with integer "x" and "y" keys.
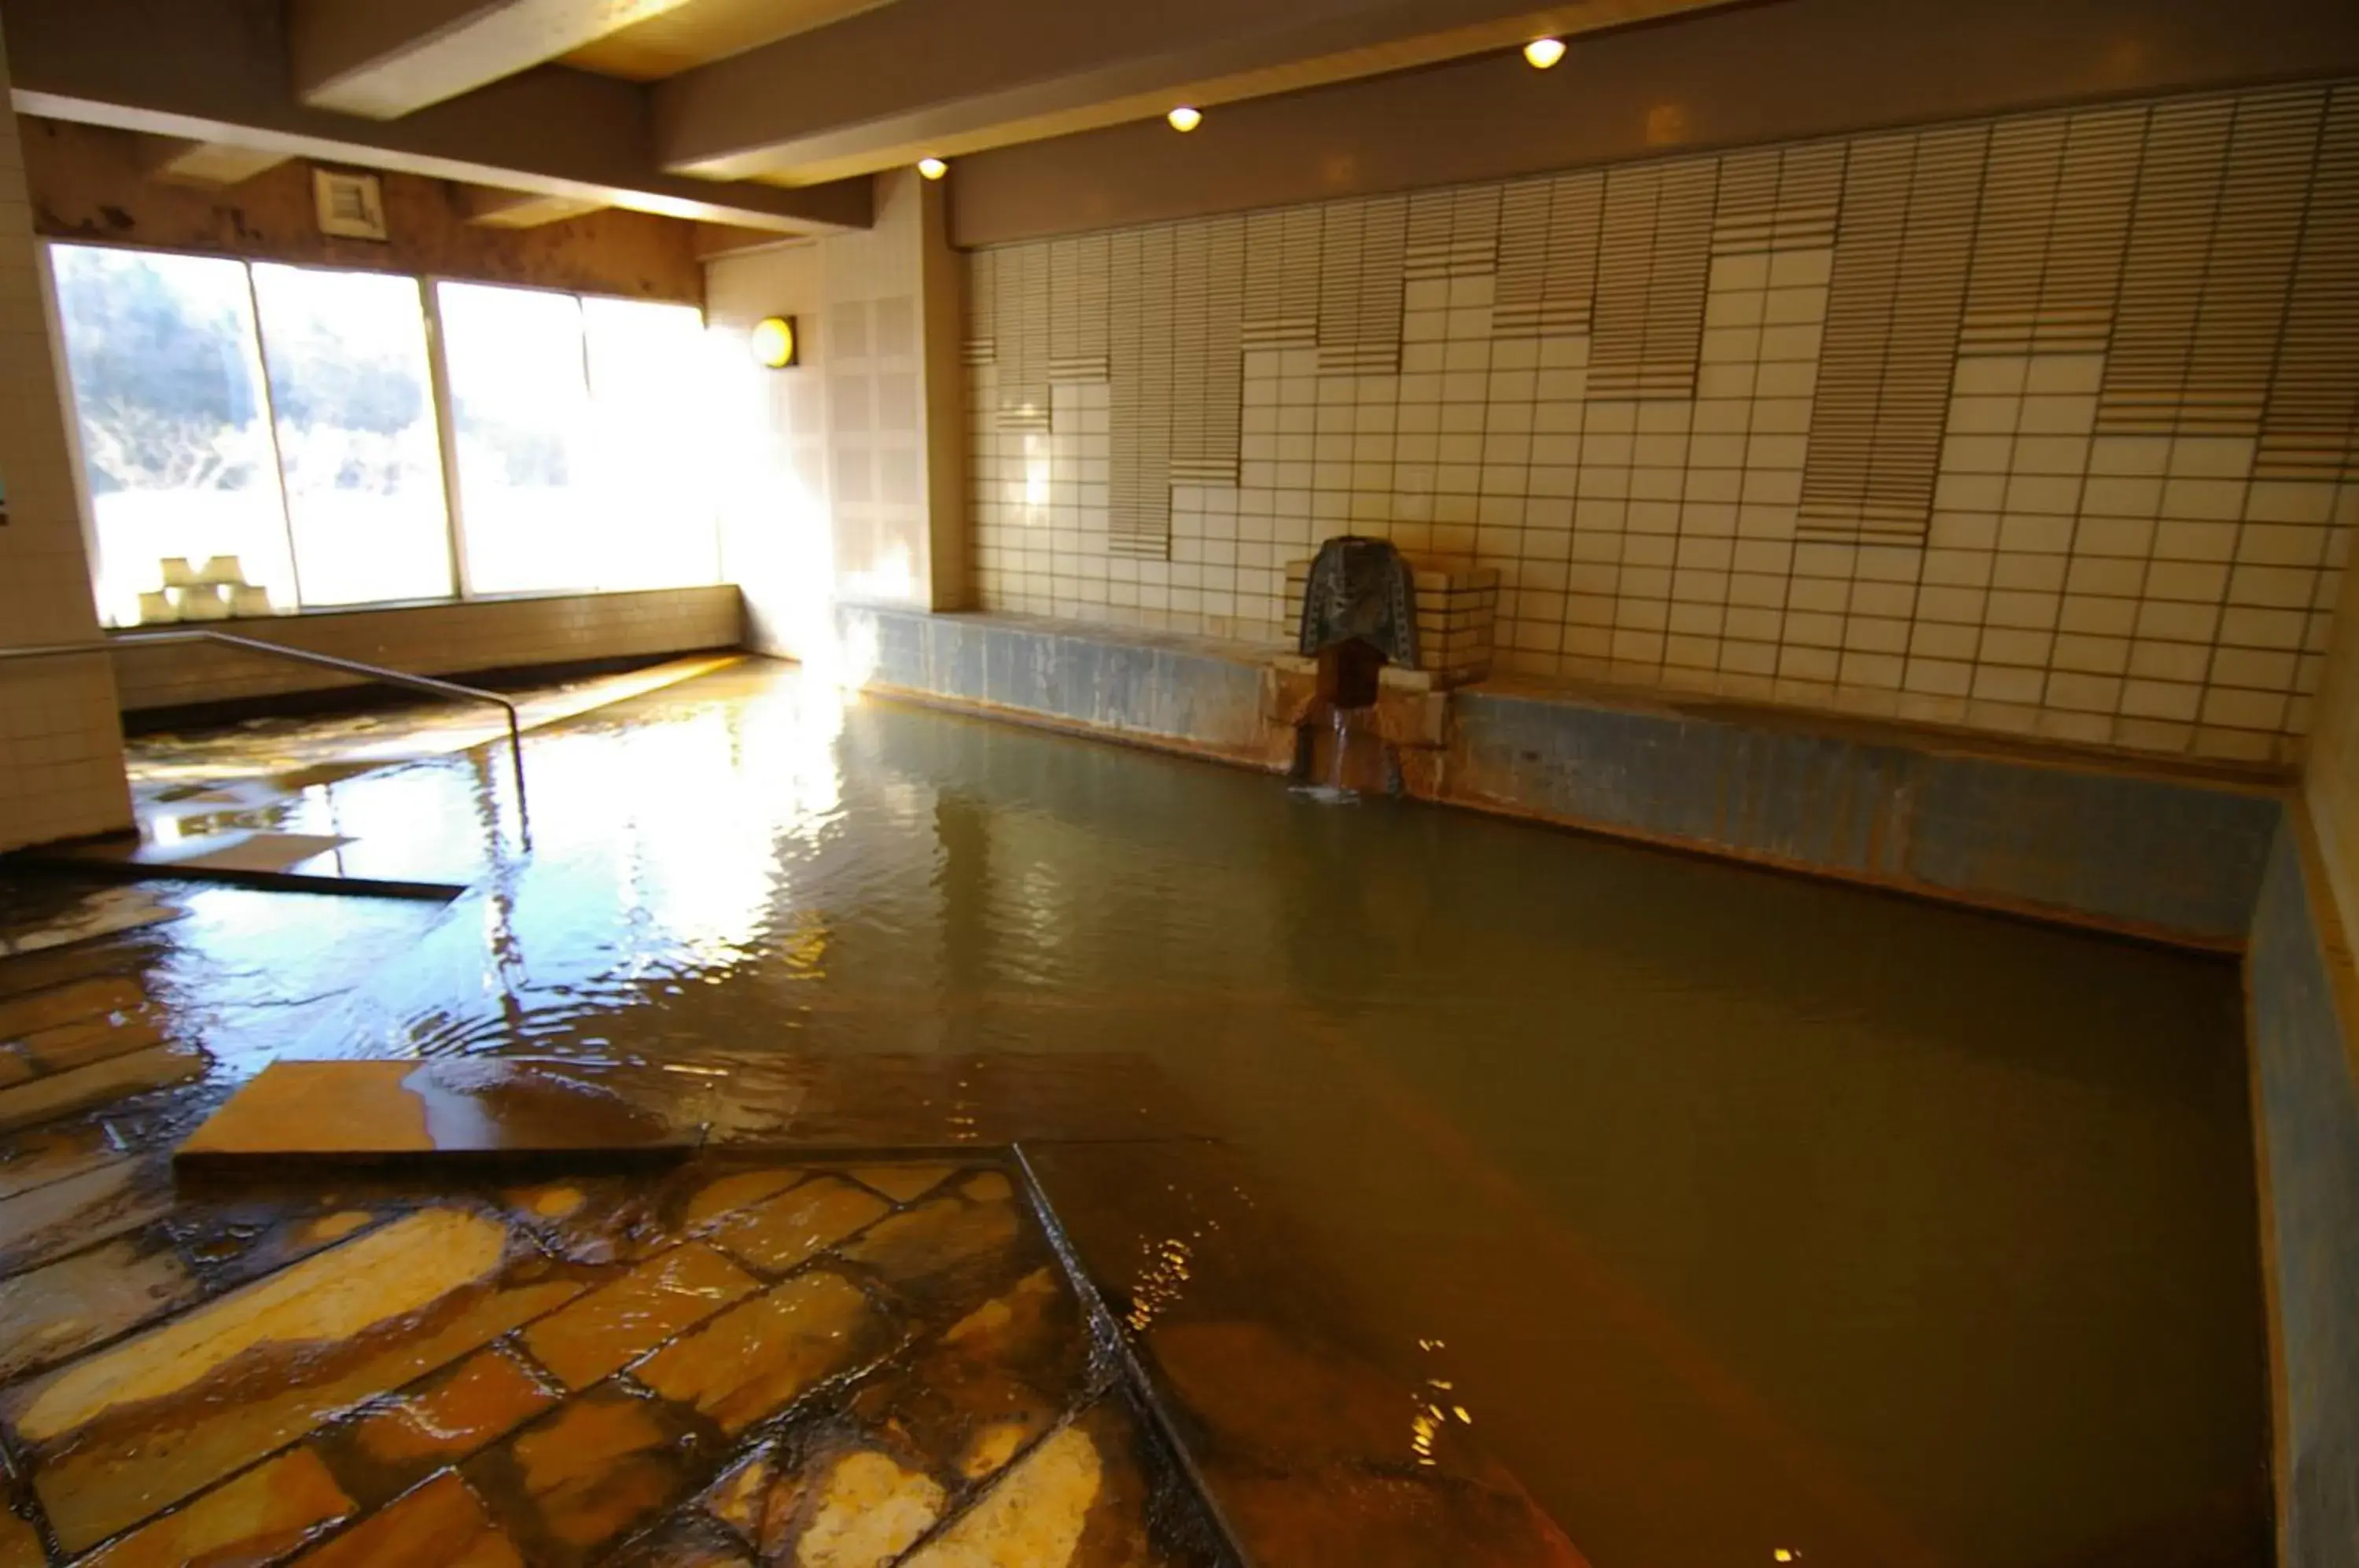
{"x": 103, "y": 913}
{"x": 380, "y": 1111}
{"x": 725, "y": 1361}
{"x": 54, "y": 1095}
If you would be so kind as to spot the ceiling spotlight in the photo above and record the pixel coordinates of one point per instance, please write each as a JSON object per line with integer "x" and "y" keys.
{"x": 1544, "y": 52}
{"x": 1184, "y": 119}
{"x": 932, "y": 167}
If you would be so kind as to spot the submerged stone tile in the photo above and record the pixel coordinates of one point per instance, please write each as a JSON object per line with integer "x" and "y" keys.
{"x": 61, "y": 1093}
{"x": 329, "y": 1228}
{"x": 688, "y": 1541}
{"x": 988, "y": 1187}
{"x": 327, "y": 1298}
{"x": 257, "y": 1517}
{"x": 33, "y": 1159}
{"x": 1312, "y": 1451}
{"x": 439, "y": 1525}
{"x": 737, "y": 1498}
{"x": 595, "y": 1220}
{"x": 782, "y": 1232}
{"x": 941, "y": 1243}
{"x": 101, "y": 913}
{"x": 605, "y": 1462}
{"x": 1378, "y": 1521}
{"x": 1147, "y": 1515}
{"x": 1000, "y": 1377}
{"x": 757, "y": 1357}
{"x": 554, "y": 1201}
{"x": 1096, "y": 1493}
{"x": 726, "y": 1194}
{"x": 232, "y": 1240}
{"x": 624, "y": 1218}
{"x": 857, "y": 1510}
{"x": 20, "y": 1544}
{"x": 1184, "y": 1229}
{"x": 119, "y": 1474}
{"x": 483, "y": 1399}
{"x": 94, "y": 997}
{"x": 904, "y": 1184}
{"x": 1033, "y": 1517}
{"x": 1309, "y": 1449}
{"x": 50, "y": 1313}
{"x": 1285, "y": 1403}
{"x": 23, "y": 974}
{"x": 106, "y": 1201}
{"x": 619, "y": 1322}
{"x": 79, "y": 1044}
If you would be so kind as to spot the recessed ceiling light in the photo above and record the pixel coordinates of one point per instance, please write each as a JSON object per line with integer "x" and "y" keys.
{"x": 1544, "y": 52}
{"x": 1184, "y": 119}
{"x": 932, "y": 167}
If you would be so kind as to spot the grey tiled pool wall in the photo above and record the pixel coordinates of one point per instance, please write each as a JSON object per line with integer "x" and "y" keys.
{"x": 2309, "y": 1117}
{"x": 2178, "y": 859}
{"x": 1180, "y": 690}
{"x": 2175, "y": 859}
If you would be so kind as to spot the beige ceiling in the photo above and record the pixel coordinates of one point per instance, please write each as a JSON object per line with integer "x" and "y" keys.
{"x": 815, "y": 163}
{"x": 765, "y": 114}
{"x": 701, "y": 31}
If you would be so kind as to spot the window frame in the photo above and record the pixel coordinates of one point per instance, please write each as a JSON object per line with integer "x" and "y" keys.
{"x": 439, "y": 389}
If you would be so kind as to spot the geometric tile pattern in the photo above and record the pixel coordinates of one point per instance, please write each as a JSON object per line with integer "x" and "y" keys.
{"x": 2046, "y": 424}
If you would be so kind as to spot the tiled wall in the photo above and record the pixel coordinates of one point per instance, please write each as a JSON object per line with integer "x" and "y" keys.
{"x": 434, "y": 639}
{"x": 2298, "y": 979}
{"x": 60, "y": 748}
{"x": 838, "y": 458}
{"x": 776, "y": 536}
{"x": 2047, "y": 424}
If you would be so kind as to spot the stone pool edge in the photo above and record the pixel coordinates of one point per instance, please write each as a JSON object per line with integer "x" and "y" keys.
{"x": 2169, "y": 856}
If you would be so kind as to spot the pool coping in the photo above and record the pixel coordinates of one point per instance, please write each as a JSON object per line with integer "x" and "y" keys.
{"x": 2172, "y": 851}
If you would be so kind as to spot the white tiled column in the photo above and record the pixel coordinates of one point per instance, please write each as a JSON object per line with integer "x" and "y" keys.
{"x": 60, "y": 738}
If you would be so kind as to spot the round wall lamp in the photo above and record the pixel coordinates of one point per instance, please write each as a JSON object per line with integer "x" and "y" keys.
{"x": 932, "y": 167}
{"x": 1184, "y": 119}
{"x": 775, "y": 342}
{"x": 1544, "y": 52}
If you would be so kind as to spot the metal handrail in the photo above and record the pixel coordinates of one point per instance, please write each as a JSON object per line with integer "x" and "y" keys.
{"x": 303, "y": 656}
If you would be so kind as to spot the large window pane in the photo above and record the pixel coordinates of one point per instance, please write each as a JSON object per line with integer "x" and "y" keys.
{"x": 520, "y": 407}
{"x": 168, "y": 393}
{"x": 346, "y": 357}
{"x": 650, "y": 393}
{"x": 582, "y": 427}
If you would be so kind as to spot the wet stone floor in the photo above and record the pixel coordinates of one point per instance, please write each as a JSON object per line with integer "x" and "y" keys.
{"x": 720, "y": 1363}
{"x": 486, "y": 1311}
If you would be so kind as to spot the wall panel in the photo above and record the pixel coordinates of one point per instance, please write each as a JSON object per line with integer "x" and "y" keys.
{"x": 2042, "y": 424}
